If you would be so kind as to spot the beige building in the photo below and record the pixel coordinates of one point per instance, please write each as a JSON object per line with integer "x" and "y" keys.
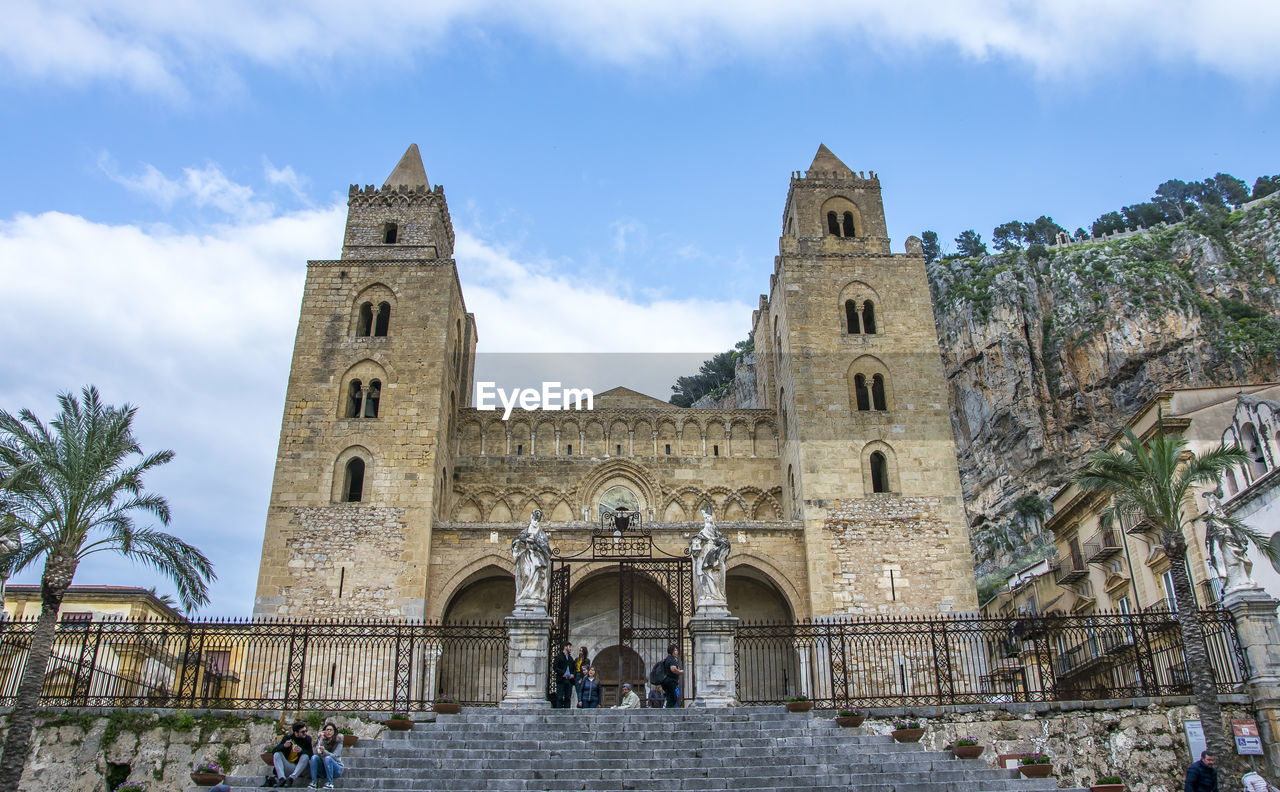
{"x": 395, "y": 497}
{"x": 1122, "y": 568}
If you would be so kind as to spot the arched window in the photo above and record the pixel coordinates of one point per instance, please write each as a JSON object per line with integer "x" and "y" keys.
{"x": 384, "y": 320}
{"x": 355, "y": 393}
{"x": 1252, "y": 448}
{"x": 879, "y": 472}
{"x": 833, "y": 224}
{"x": 1232, "y": 487}
{"x": 364, "y": 325}
{"x": 868, "y": 317}
{"x": 389, "y": 234}
{"x": 371, "y": 397}
{"x": 353, "y": 481}
{"x": 848, "y": 225}
{"x": 860, "y": 389}
{"x": 851, "y": 317}
{"x": 877, "y": 392}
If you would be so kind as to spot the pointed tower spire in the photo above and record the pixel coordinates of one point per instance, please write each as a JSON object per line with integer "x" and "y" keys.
{"x": 409, "y": 171}
{"x": 826, "y": 162}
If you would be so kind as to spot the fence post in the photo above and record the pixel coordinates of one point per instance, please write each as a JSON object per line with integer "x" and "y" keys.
{"x": 1259, "y": 634}
{"x": 943, "y": 677}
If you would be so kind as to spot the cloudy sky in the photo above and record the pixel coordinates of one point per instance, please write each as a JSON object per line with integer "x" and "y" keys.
{"x": 170, "y": 166}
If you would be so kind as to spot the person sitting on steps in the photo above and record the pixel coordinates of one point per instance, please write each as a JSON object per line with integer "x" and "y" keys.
{"x": 291, "y": 756}
{"x": 326, "y": 763}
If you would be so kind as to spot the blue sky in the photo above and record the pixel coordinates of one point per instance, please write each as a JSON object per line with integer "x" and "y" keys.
{"x": 170, "y": 167}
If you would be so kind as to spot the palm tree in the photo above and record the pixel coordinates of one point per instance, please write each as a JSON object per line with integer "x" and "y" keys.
{"x": 1153, "y": 482}
{"x": 73, "y": 488}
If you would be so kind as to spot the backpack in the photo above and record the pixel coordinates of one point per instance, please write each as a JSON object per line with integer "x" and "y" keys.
{"x": 658, "y": 674}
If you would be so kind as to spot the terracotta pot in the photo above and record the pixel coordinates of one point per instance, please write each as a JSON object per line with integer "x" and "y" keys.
{"x": 399, "y": 724}
{"x": 1036, "y": 770}
{"x": 799, "y": 706}
{"x": 267, "y": 760}
{"x": 447, "y": 707}
{"x": 907, "y": 735}
{"x": 206, "y": 779}
{"x": 1107, "y": 788}
{"x": 850, "y": 721}
{"x": 967, "y": 751}
{"x": 349, "y": 740}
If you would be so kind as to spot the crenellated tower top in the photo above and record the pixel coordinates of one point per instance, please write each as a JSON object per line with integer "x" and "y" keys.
{"x": 835, "y": 208}
{"x": 405, "y": 218}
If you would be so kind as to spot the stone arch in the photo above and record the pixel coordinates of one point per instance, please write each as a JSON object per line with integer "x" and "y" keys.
{"x": 357, "y": 386}
{"x": 717, "y": 441}
{"x": 740, "y": 442}
{"x": 1252, "y": 445}
{"x": 852, "y": 314}
{"x": 766, "y": 442}
{"x": 667, "y": 444}
{"x": 863, "y": 375}
{"x": 520, "y": 444}
{"x": 839, "y": 206}
{"x": 470, "y": 439}
{"x": 501, "y": 511}
{"x": 483, "y": 591}
{"x": 642, "y": 434}
{"x": 617, "y": 664}
{"x": 691, "y": 438}
{"x": 570, "y": 441}
{"x": 891, "y": 466}
{"x": 373, "y": 296}
{"x": 544, "y": 440}
{"x": 467, "y": 510}
{"x": 340, "y": 488}
{"x": 673, "y": 510}
{"x": 746, "y": 564}
{"x": 594, "y": 440}
{"x": 562, "y": 511}
{"x": 619, "y": 472}
{"x": 619, "y": 443}
{"x": 766, "y": 508}
{"x": 528, "y": 503}
{"x": 490, "y": 566}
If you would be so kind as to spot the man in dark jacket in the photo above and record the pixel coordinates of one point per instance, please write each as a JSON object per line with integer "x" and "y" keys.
{"x": 1201, "y": 776}
{"x": 291, "y": 756}
{"x": 563, "y": 668}
{"x": 669, "y": 685}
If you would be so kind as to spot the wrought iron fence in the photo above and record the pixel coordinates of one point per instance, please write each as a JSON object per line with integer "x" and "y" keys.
{"x": 962, "y": 660}
{"x": 326, "y": 665}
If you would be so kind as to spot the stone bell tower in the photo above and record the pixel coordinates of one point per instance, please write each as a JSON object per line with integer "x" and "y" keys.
{"x": 851, "y": 364}
{"x": 381, "y": 363}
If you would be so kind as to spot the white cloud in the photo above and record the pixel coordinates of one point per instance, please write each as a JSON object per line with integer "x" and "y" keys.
{"x": 196, "y": 329}
{"x": 206, "y": 187}
{"x": 157, "y": 46}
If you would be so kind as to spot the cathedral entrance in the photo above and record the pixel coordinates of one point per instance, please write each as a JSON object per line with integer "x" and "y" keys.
{"x": 626, "y": 601}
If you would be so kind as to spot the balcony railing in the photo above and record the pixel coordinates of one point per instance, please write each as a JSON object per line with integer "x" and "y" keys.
{"x": 1102, "y": 546}
{"x": 1137, "y": 526}
{"x": 1212, "y": 590}
{"x": 1069, "y": 570}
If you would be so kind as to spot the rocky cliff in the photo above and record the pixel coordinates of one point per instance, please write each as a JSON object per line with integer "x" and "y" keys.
{"x": 1047, "y": 352}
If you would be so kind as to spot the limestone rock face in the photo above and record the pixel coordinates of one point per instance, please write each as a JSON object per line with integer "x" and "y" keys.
{"x": 1046, "y": 357}
{"x": 741, "y": 393}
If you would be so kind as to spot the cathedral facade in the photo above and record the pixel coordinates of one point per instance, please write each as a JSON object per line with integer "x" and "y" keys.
{"x": 394, "y": 497}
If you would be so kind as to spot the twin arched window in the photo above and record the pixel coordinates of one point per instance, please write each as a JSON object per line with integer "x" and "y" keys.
{"x": 362, "y": 402}
{"x": 374, "y": 322}
{"x": 860, "y": 318}
{"x": 872, "y": 398}
{"x": 841, "y": 225}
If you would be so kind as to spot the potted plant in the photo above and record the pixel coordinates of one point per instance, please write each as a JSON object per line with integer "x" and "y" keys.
{"x": 349, "y": 737}
{"x": 847, "y": 718}
{"x": 799, "y": 704}
{"x": 966, "y": 747}
{"x": 1108, "y": 783}
{"x": 907, "y": 730}
{"x": 1036, "y": 765}
{"x": 447, "y": 705}
{"x": 399, "y": 721}
{"x": 131, "y": 786}
{"x": 207, "y": 774}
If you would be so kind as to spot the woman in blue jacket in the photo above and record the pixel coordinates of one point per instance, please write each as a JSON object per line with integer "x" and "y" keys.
{"x": 589, "y": 690}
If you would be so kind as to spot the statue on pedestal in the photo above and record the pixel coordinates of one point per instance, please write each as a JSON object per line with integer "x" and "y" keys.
{"x": 532, "y": 554}
{"x": 710, "y": 551}
{"x": 1222, "y": 542}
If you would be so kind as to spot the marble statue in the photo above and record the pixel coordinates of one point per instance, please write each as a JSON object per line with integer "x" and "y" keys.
{"x": 532, "y": 554}
{"x": 710, "y": 552}
{"x": 1236, "y": 564}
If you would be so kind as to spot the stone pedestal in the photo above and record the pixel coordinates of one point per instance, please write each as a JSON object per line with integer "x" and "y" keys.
{"x": 528, "y": 639}
{"x": 1255, "y": 616}
{"x": 713, "y": 661}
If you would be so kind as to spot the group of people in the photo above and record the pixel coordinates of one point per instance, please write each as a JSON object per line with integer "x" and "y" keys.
{"x": 297, "y": 752}
{"x": 576, "y": 675}
{"x": 1202, "y": 776}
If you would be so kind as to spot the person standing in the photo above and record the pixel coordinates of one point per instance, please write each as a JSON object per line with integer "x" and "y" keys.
{"x": 1201, "y": 776}
{"x": 563, "y": 668}
{"x": 326, "y": 763}
{"x": 672, "y": 682}
{"x": 589, "y": 690}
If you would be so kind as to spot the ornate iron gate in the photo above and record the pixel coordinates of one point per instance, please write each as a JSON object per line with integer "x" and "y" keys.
{"x": 655, "y": 601}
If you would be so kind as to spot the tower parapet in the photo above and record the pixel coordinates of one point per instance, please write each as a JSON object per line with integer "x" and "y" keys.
{"x": 405, "y": 218}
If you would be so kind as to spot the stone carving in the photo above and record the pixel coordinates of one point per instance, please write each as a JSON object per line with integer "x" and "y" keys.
{"x": 1237, "y": 567}
{"x": 710, "y": 551}
{"x": 532, "y": 554}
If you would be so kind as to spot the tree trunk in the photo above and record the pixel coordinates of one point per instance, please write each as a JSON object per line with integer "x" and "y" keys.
{"x": 17, "y": 741}
{"x": 1200, "y": 673}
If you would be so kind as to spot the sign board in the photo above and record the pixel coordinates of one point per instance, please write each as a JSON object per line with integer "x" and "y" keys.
{"x": 1248, "y": 739}
{"x": 1195, "y": 738}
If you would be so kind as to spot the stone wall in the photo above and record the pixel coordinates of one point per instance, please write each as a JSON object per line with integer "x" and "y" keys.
{"x": 1141, "y": 738}
{"x": 82, "y": 751}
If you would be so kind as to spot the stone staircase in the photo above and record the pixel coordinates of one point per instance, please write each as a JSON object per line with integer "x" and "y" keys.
{"x": 763, "y": 749}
